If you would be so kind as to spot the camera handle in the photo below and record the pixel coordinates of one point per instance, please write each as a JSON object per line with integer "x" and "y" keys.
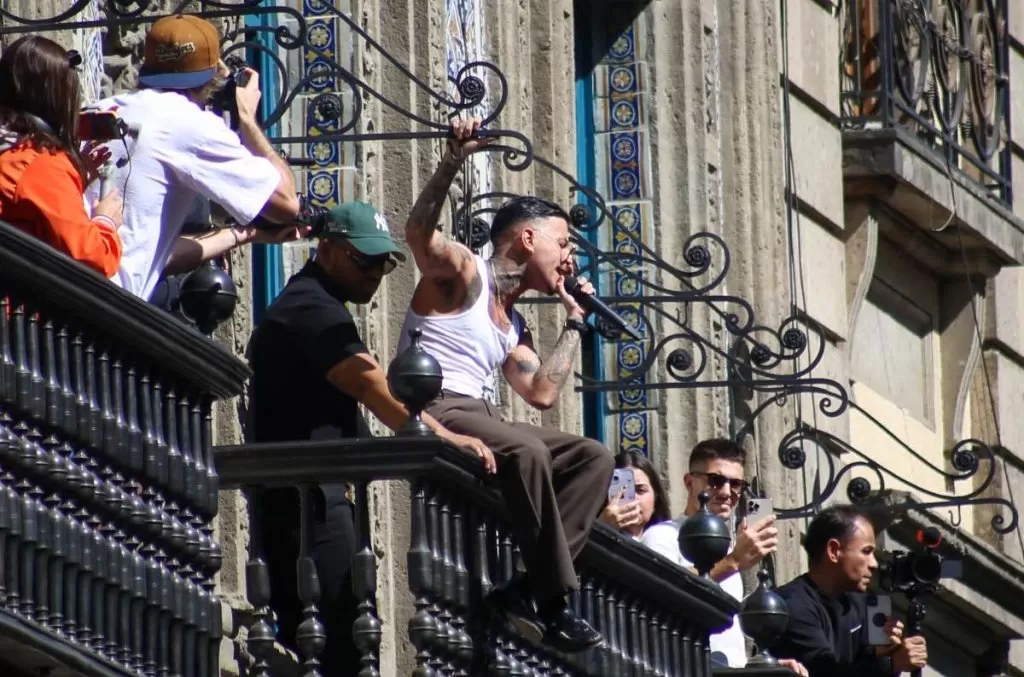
{"x": 915, "y": 618}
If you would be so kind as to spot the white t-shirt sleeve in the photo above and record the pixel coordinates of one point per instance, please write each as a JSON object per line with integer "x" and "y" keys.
{"x": 216, "y": 165}
{"x": 664, "y": 539}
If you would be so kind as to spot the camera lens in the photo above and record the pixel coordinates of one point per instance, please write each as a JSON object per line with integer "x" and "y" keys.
{"x": 927, "y": 568}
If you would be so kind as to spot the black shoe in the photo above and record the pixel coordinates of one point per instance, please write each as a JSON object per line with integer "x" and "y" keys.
{"x": 515, "y": 602}
{"x": 568, "y": 633}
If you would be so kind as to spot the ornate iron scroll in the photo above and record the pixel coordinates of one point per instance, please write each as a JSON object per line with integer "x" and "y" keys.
{"x": 972, "y": 466}
{"x": 479, "y": 84}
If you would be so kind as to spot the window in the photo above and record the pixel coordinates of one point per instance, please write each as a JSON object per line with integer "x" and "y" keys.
{"x": 895, "y": 337}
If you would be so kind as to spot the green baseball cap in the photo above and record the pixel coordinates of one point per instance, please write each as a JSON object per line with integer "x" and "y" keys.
{"x": 364, "y": 227}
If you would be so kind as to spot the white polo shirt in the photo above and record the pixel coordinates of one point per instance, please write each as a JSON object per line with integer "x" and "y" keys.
{"x": 663, "y": 539}
{"x": 182, "y": 153}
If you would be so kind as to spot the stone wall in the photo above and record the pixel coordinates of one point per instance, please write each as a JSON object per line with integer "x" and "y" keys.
{"x": 729, "y": 109}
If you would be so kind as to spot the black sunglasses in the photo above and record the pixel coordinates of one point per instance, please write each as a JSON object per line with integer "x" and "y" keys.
{"x": 716, "y": 482}
{"x": 367, "y": 263}
{"x": 74, "y": 58}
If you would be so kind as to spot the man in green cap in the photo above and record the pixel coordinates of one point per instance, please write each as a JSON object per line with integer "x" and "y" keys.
{"x": 311, "y": 371}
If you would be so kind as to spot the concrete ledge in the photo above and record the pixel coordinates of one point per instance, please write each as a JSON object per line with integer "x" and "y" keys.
{"x": 891, "y": 166}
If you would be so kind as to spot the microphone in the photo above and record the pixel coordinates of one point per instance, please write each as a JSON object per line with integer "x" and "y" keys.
{"x": 592, "y": 304}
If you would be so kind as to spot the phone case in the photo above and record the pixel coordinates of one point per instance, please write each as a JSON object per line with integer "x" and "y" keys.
{"x": 622, "y": 479}
{"x": 756, "y": 508}
{"x": 879, "y": 608}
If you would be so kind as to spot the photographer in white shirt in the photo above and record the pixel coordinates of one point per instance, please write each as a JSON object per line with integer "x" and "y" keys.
{"x": 179, "y": 152}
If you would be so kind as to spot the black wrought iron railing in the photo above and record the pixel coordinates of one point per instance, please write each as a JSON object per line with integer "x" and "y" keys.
{"x": 108, "y": 488}
{"x": 655, "y": 617}
{"x": 937, "y": 72}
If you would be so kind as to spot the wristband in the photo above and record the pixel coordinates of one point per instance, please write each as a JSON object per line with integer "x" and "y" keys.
{"x": 582, "y": 327}
{"x": 104, "y": 220}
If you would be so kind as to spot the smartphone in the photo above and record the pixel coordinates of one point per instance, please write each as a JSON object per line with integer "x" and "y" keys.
{"x": 757, "y": 508}
{"x": 99, "y": 126}
{"x": 622, "y": 480}
{"x": 879, "y": 609}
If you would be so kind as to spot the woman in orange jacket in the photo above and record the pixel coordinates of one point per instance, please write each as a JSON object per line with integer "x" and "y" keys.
{"x": 42, "y": 173}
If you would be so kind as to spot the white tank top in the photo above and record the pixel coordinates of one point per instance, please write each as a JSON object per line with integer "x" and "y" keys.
{"x": 466, "y": 344}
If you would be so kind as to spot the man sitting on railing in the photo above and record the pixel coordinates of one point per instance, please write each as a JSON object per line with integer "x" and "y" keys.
{"x": 828, "y": 619}
{"x": 553, "y": 483}
{"x": 716, "y": 467}
{"x": 311, "y": 371}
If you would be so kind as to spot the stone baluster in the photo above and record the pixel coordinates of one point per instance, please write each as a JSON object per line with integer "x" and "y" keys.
{"x": 101, "y": 563}
{"x": 54, "y": 398}
{"x": 83, "y": 590}
{"x": 154, "y": 597}
{"x": 461, "y": 547}
{"x": 261, "y": 636}
{"x": 664, "y": 646}
{"x": 73, "y": 552}
{"x": 133, "y": 420}
{"x": 8, "y": 368}
{"x": 108, "y": 423}
{"x": 678, "y": 666}
{"x": 446, "y": 590}
{"x": 92, "y": 395}
{"x": 641, "y": 638}
{"x": 35, "y": 363}
{"x": 80, "y": 389}
{"x": 119, "y": 395}
{"x": 422, "y": 625}
{"x": 310, "y": 635}
{"x": 68, "y": 401}
{"x": 22, "y": 366}
{"x": 437, "y": 581}
{"x": 367, "y": 630}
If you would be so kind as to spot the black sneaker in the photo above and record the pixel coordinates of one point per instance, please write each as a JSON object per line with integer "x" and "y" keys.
{"x": 515, "y": 602}
{"x": 568, "y": 633}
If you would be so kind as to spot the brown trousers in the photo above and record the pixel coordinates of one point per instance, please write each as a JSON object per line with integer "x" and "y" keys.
{"x": 554, "y": 485}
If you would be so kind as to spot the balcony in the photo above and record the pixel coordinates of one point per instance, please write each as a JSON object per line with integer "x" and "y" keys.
{"x": 925, "y": 121}
{"x": 108, "y": 494}
{"x": 655, "y": 617}
{"x": 108, "y": 489}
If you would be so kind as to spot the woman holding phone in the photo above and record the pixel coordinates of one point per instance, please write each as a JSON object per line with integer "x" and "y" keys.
{"x": 633, "y": 505}
{"x": 42, "y": 172}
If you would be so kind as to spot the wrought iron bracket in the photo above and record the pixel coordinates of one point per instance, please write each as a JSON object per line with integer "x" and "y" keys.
{"x": 972, "y": 465}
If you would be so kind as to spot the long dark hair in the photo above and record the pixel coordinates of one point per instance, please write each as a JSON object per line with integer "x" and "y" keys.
{"x": 638, "y": 460}
{"x": 36, "y": 79}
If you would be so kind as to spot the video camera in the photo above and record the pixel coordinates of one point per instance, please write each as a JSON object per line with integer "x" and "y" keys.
{"x": 224, "y": 98}
{"x": 311, "y": 215}
{"x": 919, "y": 570}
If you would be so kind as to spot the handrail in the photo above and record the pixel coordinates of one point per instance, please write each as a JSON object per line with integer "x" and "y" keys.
{"x": 674, "y": 606}
{"x": 35, "y": 270}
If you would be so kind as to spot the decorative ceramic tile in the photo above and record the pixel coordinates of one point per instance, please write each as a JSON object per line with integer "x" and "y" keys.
{"x": 323, "y": 188}
{"x": 464, "y": 45}
{"x": 623, "y": 49}
{"x": 633, "y": 431}
{"x": 623, "y": 178}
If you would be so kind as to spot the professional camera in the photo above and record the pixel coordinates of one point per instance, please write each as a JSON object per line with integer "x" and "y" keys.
{"x": 312, "y": 215}
{"x": 919, "y": 570}
{"x": 223, "y": 99}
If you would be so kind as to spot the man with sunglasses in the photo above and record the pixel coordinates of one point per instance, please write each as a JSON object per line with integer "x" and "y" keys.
{"x": 311, "y": 371}
{"x": 716, "y": 467}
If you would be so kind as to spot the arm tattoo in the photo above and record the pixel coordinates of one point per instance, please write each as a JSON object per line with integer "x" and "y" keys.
{"x": 527, "y": 365}
{"x": 557, "y": 367}
{"x": 427, "y": 210}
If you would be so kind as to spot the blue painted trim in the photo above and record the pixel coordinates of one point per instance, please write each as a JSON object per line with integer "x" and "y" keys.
{"x": 594, "y": 404}
{"x": 267, "y": 259}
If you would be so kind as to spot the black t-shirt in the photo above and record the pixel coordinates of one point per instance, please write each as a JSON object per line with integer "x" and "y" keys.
{"x": 828, "y": 634}
{"x": 305, "y": 332}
